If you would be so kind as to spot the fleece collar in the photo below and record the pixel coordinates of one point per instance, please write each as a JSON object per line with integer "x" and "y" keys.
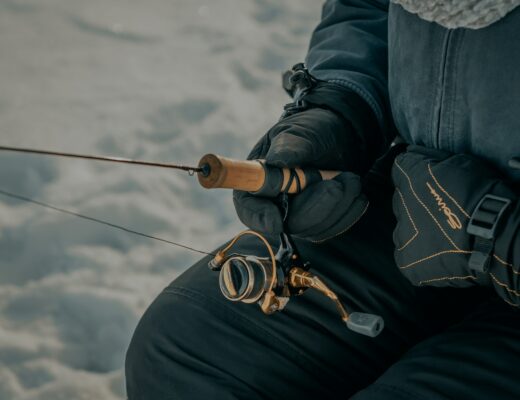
{"x": 473, "y": 14}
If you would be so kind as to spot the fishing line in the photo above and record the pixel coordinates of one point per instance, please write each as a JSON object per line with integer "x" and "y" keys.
{"x": 100, "y": 221}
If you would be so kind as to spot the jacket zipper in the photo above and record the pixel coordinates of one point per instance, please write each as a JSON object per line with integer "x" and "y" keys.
{"x": 437, "y": 133}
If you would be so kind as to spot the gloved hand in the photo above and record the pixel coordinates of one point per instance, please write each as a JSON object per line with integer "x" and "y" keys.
{"x": 322, "y": 137}
{"x": 436, "y": 193}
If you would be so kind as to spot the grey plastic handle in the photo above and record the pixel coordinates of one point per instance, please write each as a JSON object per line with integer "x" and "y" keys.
{"x": 365, "y": 324}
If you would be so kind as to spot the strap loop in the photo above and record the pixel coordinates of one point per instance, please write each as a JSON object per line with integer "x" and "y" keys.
{"x": 483, "y": 225}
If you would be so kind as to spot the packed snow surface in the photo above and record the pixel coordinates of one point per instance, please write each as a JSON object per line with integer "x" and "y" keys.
{"x": 166, "y": 80}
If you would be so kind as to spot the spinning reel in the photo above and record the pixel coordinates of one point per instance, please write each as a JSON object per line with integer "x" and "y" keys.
{"x": 271, "y": 281}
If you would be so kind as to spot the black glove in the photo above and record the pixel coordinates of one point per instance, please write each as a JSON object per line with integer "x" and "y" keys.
{"x": 437, "y": 241}
{"x": 320, "y": 136}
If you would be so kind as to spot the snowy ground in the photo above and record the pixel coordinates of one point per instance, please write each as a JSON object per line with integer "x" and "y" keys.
{"x": 162, "y": 80}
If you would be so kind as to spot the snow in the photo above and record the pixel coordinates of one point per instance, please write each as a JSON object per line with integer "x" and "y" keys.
{"x": 166, "y": 80}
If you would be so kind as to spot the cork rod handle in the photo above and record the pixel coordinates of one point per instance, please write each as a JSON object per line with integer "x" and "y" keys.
{"x": 254, "y": 176}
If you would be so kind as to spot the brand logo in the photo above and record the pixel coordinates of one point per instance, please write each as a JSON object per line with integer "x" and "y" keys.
{"x": 453, "y": 220}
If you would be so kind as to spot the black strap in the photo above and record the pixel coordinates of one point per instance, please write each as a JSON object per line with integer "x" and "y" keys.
{"x": 293, "y": 176}
{"x": 482, "y": 252}
{"x": 284, "y": 196}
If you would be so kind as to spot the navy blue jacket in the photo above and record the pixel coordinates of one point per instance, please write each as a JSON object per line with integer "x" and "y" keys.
{"x": 455, "y": 89}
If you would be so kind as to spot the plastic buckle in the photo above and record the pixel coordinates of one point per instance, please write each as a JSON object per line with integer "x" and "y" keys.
{"x": 483, "y": 224}
{"x": 298, "y": 81}
{"x": 484, "y": 220}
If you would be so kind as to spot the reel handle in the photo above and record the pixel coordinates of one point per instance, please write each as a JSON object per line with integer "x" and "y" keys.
{"x": 256, "y": 177}
{"x": 365, "y": 324}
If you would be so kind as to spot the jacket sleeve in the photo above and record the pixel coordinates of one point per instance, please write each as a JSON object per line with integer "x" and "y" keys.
{"x": 349, "y": 48}
{"x": 505, "y": 267}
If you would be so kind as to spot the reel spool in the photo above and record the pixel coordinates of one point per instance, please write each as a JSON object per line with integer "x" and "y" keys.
{"x": 272, "y": 281}
{"x": 245, "y": 278}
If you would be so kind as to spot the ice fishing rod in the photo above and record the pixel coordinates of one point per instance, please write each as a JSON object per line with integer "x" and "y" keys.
{"x": 215, "y": 171}
{"x": 268, "y": 281}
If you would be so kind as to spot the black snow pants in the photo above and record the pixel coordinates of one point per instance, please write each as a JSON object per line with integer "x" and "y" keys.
{"x": 437, "y": 343}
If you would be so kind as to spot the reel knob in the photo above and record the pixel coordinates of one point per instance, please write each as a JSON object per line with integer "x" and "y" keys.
{"x": 365, "y": 324}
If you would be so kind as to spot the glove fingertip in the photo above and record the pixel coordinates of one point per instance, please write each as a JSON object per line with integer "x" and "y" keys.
{"x": 349, "y": 181}
{"x": 257, "y": 213}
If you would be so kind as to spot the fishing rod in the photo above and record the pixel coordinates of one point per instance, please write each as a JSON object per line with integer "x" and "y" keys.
{"x": 215, "y": 171}
{"x": 268, "y": 281}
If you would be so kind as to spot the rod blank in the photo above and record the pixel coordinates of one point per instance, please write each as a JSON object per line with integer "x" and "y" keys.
{"x": 100, "y": 158}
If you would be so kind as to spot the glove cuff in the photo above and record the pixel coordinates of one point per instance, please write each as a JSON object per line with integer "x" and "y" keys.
{"x": 310, "y": 92}
{"x": 353, "y": 108}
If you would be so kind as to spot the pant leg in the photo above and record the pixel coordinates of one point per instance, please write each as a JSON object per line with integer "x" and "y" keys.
{"x": 477, "y": 359}
{"x": 193, "y": 344}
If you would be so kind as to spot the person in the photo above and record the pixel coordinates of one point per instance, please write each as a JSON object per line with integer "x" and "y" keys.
{"x": 425, "y": 234}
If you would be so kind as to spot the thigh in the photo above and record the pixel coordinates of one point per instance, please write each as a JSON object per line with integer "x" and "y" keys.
{"x": 475, "y": 359}
{"x": 192, "y": 343}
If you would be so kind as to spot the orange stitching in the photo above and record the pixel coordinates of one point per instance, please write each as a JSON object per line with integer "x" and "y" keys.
{"x": 451, "y": 218}
{"x": 506, "y": 264}
{"x": 448, "y": 278}
{"x": 446, "y": 193}
{"x": 505, "y": 286}
{"x": 435, "y": 255}
{"x": 411, "y": 220}
{"x": 510, "y": 303}
{"x": 425, "y": 207}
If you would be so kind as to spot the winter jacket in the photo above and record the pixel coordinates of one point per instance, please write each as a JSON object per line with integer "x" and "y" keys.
{"x": 453, "y": 89}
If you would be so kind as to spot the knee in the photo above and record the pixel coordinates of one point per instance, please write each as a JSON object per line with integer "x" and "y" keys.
{"x": 166, "y": 345}
{"x": 139, "y": 355}
{"x": 150, "y": 357}
{"x": 135, "y": 361}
